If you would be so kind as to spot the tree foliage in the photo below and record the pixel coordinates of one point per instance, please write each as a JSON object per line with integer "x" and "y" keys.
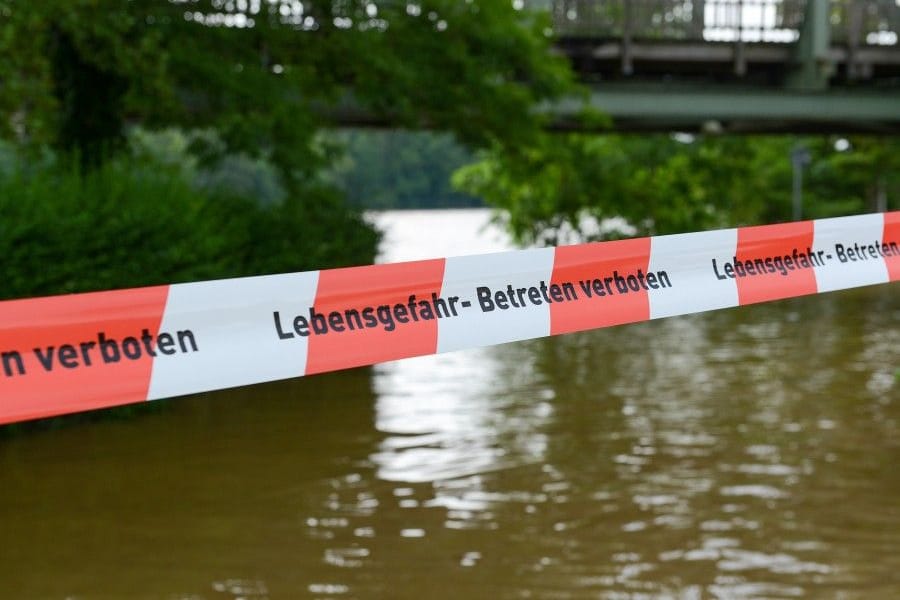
{"x": 667, "y": 184}
{"x": 131, "y": 223}
{"x": 239, "y": 91}
{"x": 399, "y": 169}
{"x": 262, "y": 72}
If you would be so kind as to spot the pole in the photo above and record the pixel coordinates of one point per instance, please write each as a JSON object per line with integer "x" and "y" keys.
{"x": 800, "y": 157}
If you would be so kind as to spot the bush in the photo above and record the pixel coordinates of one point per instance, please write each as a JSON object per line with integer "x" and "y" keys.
{"x": 129, "y": 224}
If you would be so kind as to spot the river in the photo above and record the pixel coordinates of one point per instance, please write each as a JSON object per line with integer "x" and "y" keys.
{"x": 744, "y": 453}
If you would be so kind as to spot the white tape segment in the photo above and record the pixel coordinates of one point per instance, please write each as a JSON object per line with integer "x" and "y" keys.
{"x": 79, "y": 352}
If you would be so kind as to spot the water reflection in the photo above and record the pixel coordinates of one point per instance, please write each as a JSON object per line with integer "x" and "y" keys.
{"x": 745, "y": 453}
{"x": 699, "y": 437}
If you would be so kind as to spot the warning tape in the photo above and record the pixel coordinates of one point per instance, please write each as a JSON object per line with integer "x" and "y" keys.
{"x": 79, "y": 352}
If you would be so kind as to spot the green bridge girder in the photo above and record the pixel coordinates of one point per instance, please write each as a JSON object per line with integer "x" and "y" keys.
{"x": 648, "y": 108}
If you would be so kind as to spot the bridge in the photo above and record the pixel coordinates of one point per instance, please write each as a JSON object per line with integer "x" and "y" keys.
{"x": 748, "y": 66}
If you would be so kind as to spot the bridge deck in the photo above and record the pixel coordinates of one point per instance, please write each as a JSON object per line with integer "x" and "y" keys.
{"x": 740, "y": 65}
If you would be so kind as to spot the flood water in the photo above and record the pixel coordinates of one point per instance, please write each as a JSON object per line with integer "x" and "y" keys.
{"x": 744, "y": 453}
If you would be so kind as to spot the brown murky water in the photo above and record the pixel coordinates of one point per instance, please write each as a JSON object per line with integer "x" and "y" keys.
{"x": 747, "y": 453}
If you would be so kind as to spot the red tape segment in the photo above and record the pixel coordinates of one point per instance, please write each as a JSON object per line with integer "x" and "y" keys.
{"x": 72, "y": 353}
{"x": 367, "y": 315}
{"x": 603, "y": 285}
{"x": 65, "y": 354}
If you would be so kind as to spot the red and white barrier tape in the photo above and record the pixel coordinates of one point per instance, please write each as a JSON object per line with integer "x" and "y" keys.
{"x": 79, "y": 352}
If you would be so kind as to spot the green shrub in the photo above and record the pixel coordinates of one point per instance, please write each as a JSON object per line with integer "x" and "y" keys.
{"x": 129, "y": 224}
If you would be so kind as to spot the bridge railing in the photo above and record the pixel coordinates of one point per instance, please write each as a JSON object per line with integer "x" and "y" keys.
{"x": 857, "y": 22}
{"x": 871, "y": 23}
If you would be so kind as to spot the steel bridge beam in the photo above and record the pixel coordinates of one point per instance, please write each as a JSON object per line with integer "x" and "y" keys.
{"x": 812, "y": 64}
{"x": 662, "y": 108}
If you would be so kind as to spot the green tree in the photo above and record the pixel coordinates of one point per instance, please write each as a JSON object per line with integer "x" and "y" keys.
{"x": 666, "y": 184}
{"x": 262, "y": 73}
{"x": 252, "y": 83}
{"x": 399, "y": 169}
